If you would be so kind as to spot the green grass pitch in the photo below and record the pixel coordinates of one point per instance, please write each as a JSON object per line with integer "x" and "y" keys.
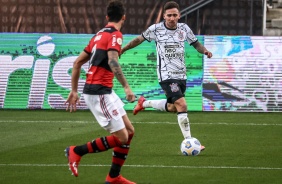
{"x": 241, "y": 148}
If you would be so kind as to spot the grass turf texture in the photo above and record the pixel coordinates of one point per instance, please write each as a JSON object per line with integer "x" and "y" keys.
{"x": 240, "y": 148}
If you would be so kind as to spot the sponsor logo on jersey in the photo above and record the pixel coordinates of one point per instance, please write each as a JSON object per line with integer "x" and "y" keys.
{"x": 114, "y": 41}
{"x": 173, "y": 51}
{"x": 172, "y": 46}
{"x": 97, "y": 38}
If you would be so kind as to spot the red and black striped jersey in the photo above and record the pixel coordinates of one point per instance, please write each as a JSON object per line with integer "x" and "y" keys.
{"x": 99, "y": 78}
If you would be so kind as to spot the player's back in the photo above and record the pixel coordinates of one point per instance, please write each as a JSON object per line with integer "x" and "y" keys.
{"x": 99, "y": 78}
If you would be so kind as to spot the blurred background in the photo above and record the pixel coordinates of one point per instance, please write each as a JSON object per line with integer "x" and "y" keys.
{"x": 205, "y": 17}
{"x": 40, "y": 39}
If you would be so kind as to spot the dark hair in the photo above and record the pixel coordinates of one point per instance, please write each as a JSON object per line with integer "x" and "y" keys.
{"x": 170, "y": 5}
{"x": 115, "y": 10}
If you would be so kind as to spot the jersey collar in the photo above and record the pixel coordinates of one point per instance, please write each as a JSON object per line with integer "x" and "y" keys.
{"x": 111, "y": 25}
{"x": 169, "y": 28}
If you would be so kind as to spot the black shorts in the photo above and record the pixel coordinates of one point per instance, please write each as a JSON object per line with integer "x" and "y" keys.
{"x": 174, "y": 89}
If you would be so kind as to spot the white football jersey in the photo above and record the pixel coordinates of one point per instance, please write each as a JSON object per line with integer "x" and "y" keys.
{"x": 170, "y": 49}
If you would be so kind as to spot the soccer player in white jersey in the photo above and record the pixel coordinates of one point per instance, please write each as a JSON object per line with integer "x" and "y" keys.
{"x": 170, "y": 37}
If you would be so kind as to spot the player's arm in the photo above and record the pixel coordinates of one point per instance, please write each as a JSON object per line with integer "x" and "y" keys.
{"x": 82, "y": 58}
{"x": 73, "y": 97}
{"x": 133, "y": 43}
{"x": 116, "y": 69}
{"x": 201, "y": 49}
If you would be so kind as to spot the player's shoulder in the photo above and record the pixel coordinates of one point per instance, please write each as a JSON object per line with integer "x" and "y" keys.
{"x": 183, "y": 26}
{"x": 156, "y": 26}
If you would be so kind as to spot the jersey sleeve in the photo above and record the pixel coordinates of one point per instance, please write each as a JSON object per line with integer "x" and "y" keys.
{"x": 88, "y": 48}
{"x": 190, "y": 37}
{"x": 115, "y": 41}
{"x": 149, "y": 34}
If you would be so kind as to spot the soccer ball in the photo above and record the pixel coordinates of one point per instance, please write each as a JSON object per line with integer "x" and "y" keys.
{"x": 190, "y": 147}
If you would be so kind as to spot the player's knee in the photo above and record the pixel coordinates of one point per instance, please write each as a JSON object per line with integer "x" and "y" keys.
{"x": 126, "y": 139}
{"x": 171, "y": 108}
{"x": 131, "y": 130}
{"x": 180, "y": 105}
{"x": 123, "y": 140}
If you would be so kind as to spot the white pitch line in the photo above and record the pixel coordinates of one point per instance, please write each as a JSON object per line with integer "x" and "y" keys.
{"x": 146, "y": 166}
{"x": 156, "y": 122}
{"x": 31, "y": 121}
{"x": 235, "y": 124}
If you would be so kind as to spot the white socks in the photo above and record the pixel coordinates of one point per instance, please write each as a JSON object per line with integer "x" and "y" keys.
{"x": 156, "y": 104}
{"x": 184, "y": 124}
{"x": 182, "y": 118}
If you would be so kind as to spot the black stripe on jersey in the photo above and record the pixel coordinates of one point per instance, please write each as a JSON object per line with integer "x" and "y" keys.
{"x": 145, "y": 38}
{"x": 96, "y": 89}
{"x": 100, "y": 59}
{"x": 112, "y": 49}
{"x": 194, "y": 42}
{"x": 86, "y": 52}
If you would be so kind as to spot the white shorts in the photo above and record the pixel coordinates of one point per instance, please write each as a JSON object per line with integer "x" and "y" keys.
{"x": 107, "y": 109}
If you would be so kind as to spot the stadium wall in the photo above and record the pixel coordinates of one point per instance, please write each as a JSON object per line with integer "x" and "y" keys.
{"x": 245, "y": 73}
{"x": 219, "y": 17}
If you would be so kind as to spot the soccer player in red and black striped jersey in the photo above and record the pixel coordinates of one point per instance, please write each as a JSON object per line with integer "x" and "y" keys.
{"x": 103, "y": 52}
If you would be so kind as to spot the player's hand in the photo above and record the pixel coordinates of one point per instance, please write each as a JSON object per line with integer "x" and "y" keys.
{"x": 208, "y": 54}
{"x": 130, "y": 97}
{"x": 72, "y": 100}
{"x": 122, "y": 51}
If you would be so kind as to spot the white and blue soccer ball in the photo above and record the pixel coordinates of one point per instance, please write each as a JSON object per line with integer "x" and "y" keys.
{"x": 190, "y": 147}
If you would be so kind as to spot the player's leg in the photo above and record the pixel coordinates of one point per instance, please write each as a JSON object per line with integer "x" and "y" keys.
{"x": 182, "y": 116}
{"x": 175, "y": 90}
{"x": 121, "y": 128}
{"x": 160, "y": 105}
{"x": 104, "y": 109}
{"x": 120, "y": 154}
{"x": 156, "y": 104}
{"x": 139, "y": 106}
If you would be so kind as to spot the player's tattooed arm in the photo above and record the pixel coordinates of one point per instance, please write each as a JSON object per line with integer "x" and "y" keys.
{"x": 201, "y": 49}
{"x": 133, "y": 43}
{"x": 115, "y": 67}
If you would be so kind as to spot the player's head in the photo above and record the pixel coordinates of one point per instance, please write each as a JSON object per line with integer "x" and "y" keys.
{"x": 170, "y": 5}
{"x": 115, "y": 11}
{"x": 171, "y": 14}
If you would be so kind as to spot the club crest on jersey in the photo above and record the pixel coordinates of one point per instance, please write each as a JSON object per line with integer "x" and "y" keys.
{"x": 180, "y": 35}
{"x": 174, "y": 87}
{"x": 115, "y": 112}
